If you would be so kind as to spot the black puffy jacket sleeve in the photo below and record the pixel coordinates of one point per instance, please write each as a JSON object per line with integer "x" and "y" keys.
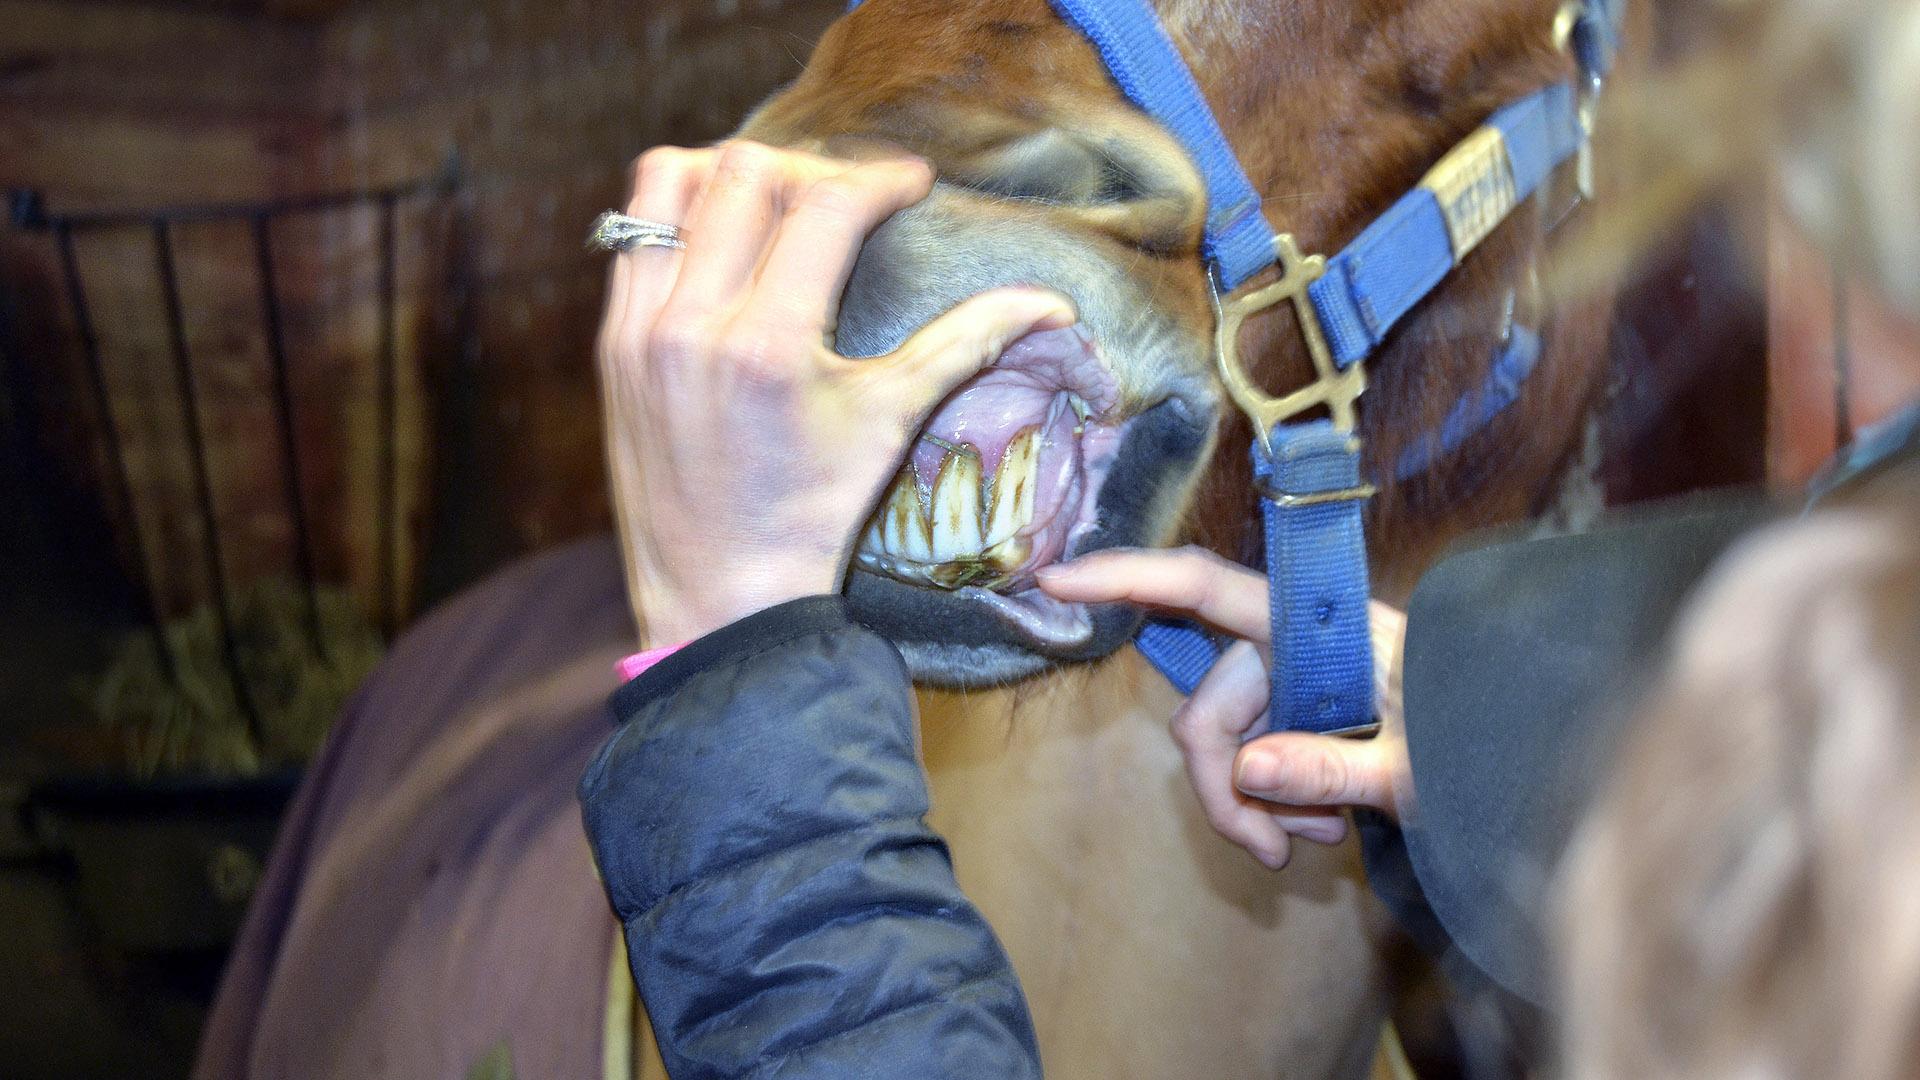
{"x": 759, "y": 821}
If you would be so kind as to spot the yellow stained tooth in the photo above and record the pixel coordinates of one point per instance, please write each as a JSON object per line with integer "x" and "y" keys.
{"x": 904, "y": 527}
{"x": 1013, "y": 486}
{"x": 885, "y": 519}
{"x": 956, "y": 508}
{"x": 1008, "y": 554}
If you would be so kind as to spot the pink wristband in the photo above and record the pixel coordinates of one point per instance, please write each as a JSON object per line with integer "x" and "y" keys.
{"x": 633, "y": 666}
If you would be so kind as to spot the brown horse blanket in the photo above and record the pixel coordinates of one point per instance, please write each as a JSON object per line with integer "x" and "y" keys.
{"x": 431, "y": 909}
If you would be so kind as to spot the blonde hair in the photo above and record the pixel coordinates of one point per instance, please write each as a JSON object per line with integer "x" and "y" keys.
{"x": 1744, "y": 898}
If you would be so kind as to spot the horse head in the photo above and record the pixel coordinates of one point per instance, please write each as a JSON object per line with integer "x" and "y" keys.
{"x": 1116, "y": 432}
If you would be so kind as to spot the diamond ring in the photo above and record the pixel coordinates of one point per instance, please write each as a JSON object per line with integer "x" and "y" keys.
{"x": 614, "y": 231}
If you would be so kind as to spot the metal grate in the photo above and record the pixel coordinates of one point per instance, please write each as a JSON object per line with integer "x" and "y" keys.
{"x": 28, "y": 212}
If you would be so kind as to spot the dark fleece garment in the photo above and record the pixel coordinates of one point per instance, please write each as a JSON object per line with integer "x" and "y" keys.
{"x": 759, "y": 820}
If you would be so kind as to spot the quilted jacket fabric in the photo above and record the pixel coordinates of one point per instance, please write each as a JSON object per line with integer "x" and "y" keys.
{"x": 759, "y": 821}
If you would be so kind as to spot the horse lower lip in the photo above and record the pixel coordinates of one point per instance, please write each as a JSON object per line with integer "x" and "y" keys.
{"x": 1055, "y": 623}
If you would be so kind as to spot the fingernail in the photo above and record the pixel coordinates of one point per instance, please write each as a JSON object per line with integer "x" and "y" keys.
{"x": 1257, "y": 774}
{"x": 1057, "y": 576}
{"x": 1061, "y": 319}
{"x": 1065, "y": 313}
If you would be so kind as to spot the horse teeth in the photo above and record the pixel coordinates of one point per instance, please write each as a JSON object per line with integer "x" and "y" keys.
{"x": 904, "y": 525}
{"x": 1013, "y": 486}
{"x": 956, "y": 508}
{"x": 966, "y": 534}
{"x": 1007, "y": 555}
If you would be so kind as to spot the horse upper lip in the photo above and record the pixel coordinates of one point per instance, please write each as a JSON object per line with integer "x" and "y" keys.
{"x": 1070, "y": 359}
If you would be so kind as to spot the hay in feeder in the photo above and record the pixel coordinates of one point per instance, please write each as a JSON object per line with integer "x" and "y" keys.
{"x": 195, "y": 722}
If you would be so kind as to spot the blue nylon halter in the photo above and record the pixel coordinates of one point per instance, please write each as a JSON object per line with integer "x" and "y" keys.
{"x": 1308, "y": 473}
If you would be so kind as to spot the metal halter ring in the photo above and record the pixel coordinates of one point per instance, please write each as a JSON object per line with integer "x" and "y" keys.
{"x": 614, "y": 231}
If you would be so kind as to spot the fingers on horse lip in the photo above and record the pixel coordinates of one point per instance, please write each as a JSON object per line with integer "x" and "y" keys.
{"x": 1003, "y": 480}
{"x": 1049, "y": 622}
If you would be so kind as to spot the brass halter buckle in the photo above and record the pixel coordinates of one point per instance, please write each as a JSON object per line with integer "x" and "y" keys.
{"x": 1333, "y": 388}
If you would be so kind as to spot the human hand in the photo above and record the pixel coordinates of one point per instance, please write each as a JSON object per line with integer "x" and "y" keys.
{"x": 1264, "y": 792}
{"x": 744, "y": 452}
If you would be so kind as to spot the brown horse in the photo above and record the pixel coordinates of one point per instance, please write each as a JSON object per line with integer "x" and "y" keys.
{"x": 432, "y": 899}
{"x": 1148, "y": 947}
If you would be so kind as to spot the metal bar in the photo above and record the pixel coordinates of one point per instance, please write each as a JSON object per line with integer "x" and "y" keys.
{"x": 29, "y": 210}
{"x": 1842, "y": 360}
{"x": 463, "y": 534}
{"x": 20, "y": 398}
{"x": 289, "y": 440}
{"x": 389, "y": 421}
{"x": 202, "y": 482}
{"x": 120, "y": 482}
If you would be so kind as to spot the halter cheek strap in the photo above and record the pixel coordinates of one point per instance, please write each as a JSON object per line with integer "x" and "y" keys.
{"x": 1149, "y": 70}
{"x": 1308, "y": 473}
{"x": 1312, "y": 492}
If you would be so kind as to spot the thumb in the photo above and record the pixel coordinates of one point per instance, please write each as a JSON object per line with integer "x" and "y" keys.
{"x": 1299, "y": 769}
{"x": 954, "y": 347}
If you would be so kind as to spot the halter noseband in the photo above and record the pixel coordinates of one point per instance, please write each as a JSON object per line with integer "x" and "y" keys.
{"x": 1308, "y": 472}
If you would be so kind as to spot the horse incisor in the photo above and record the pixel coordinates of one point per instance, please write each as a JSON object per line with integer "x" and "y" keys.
{"x": 1148, "y": 946}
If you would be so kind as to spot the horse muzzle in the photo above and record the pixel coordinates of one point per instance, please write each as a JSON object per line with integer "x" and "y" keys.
{"x": 1071, "y": 441}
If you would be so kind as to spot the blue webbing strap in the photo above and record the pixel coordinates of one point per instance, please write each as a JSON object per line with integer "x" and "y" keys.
{"x": 1151, "y": 73}
{"x": 1368, "y": 287}
{"x": 1470, "y": 414}
{"x": 1311, "y": 504}
{"x": 1317, "y": 578}
{"x": 1185, "y": 651}
{"x": 1407, "y": 251}
{"x": 1182, "y": 650}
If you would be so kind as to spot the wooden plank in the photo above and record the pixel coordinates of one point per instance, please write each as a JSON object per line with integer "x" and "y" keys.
{"x": 1803, "y": 425}
{"x": 55, "y": 27}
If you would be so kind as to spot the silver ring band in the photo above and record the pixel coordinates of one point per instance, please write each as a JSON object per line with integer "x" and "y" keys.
{"x": 614, "y": 231}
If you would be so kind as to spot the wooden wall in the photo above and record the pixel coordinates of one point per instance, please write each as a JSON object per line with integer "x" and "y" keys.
{"x": 546, "y": 102}
{"x": 105, "y": 104}
{"x": 542, "y": 104}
